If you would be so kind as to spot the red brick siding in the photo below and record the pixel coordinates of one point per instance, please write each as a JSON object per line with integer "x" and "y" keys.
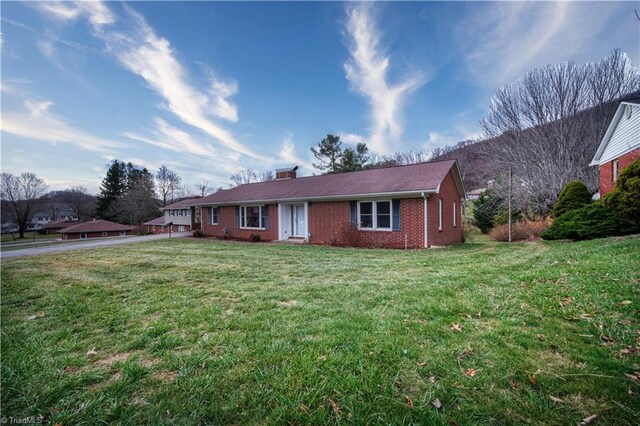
{"x": 606, "y": 170}
{"x": 449, "y": 234}
{"x": 329, "y": 224}
{"x": 76, "y": 235}
{"x": 227, "y": 220}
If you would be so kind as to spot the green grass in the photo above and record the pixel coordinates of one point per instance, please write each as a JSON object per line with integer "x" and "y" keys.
{"x": 203, "y": 332}
{"x": 28, "y": 236}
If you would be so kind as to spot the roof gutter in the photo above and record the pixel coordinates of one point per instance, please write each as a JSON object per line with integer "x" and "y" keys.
{"x": 417, "y": 194}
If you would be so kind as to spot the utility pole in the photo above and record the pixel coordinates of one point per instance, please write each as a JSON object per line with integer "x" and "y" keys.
{"x": 510, "y": 183}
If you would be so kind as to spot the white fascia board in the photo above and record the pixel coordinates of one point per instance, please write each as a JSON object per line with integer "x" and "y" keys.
{"x": 416, "y": 194}
{"x": 607, "y": 136}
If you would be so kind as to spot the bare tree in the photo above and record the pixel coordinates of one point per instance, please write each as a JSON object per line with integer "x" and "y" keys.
{"x": 244, "y": 176}
{"x": 266, "y": 176}
{"x": 23, "y": 194}
{"x": 168, "y": 183}
{"x": 548, "y": 127}
{"x": 248, "y": 175}
{"x": 81, "y": 203}
{"x": 203, "y": 188}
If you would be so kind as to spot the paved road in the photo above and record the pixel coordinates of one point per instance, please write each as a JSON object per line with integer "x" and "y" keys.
{"x": 70, "y": 246}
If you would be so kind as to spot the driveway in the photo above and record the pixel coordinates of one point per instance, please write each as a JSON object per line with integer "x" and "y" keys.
{"x": 75, "y": 245}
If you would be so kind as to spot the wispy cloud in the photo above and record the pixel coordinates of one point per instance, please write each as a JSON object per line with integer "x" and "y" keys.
{"x": 171, "y": 138}
{"x": 367, "y": 72}
{"x": 504, "y": 40}
{"x": 352, "y": 138}
{"x": 37, "y": 122}
{"x": 139, "y": 49}
{"x": 288, "y": 152}
{"x": 151, "y": 57}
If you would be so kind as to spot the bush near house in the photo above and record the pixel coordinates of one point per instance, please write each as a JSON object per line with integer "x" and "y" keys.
{"x": 591, "y": 221}
{"x": 574, "y": 196}
{"x": 485, "y": 210}
{"x": 625, "y": 198}
{"x": 525, "y": 230}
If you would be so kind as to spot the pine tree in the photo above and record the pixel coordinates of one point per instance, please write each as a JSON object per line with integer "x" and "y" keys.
{"x": 113, "y": 186}
{"x": 329, "y": 153}
{"x": 353, "y": 159}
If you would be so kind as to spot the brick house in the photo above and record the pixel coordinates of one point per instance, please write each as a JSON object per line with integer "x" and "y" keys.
{"x": 178, "y": 213}
{"x": 412, "y": 206}
{"x": 620, "y": 145}
{"x": 96, "y": 228}
{"x": 53, "y": 227}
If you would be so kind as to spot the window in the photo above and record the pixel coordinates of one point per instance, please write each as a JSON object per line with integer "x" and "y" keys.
{"x": 616, "y": 169}
{"x": 83, "y": 235}
{"x": 123, "y": 233}
{"x": 440, "y": 215}
{"x": 252, "y": 217}
{"x": 105, "y": 233}
{"x": 455, "y": 215}
{"x": 375, "y": 215}
{"x": 214, "y": 215}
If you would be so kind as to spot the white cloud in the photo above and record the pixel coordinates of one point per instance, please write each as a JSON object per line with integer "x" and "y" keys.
{"x": 140, "y": 50}
{"x": 151, "y": 57}
{"x": 288, "y": 152}
{"x": 95, "y": 11}
{"x": 171, "y": 138}
{"x": 352, "y": 138}
{"x": 501, "y": 41}
{"x": 39, "y": 123}
{"x": 367, "y": 70}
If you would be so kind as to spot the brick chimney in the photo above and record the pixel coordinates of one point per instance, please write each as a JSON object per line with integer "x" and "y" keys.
{"x": 286, "y": 173}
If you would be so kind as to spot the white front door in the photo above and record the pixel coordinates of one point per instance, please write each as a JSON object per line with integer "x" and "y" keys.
{"x": 298, "y": 221}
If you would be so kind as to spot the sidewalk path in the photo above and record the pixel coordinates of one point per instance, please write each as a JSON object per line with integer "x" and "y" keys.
{"x": 62, "y": 246}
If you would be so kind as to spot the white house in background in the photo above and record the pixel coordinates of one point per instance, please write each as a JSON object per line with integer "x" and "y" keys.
{"x": 620, "y": 145}
{"x": 178, "y": 214}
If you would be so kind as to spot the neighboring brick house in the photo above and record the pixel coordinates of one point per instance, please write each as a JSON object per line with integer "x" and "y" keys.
{"x": 178, "y": 213}
{"x": 620, "y": 145}
{"x": 412, "y": 206}
{"x": 53, "y": 227}
{"x": 96, "y": 228}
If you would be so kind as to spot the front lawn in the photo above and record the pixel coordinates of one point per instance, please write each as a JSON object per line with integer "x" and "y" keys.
{"x": 197, "y": 331}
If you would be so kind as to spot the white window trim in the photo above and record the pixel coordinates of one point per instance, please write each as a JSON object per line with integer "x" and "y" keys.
{"x": 455, "y": 214}
{"x": 105, "y": 234}
{"x": 440, "y": 227}
{"x": 374, "y": 219}
{"x": 211, "y": 222}
{"x": 243, "y": 214}
{"x": 616, "y": 170}
{"x": 85, "y": 236}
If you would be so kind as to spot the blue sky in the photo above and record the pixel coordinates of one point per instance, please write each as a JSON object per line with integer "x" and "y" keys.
{"x": 209, "y": 87}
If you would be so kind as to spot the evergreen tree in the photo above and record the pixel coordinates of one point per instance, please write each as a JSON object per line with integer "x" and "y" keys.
{"x": 574, "y": 196}
{"x": 329, "y": 154}
{"x": 485, "y": 210}
{"x": 625, "y": 198}
{"x": 113, "y": 186}
{"x": 354, "y": 159}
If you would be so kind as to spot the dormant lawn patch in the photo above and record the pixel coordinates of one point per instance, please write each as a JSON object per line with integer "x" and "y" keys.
{"x": 185, "y": 331}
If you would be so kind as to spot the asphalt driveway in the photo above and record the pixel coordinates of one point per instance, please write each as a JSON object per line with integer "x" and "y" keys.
{"x": 76, "y": 245}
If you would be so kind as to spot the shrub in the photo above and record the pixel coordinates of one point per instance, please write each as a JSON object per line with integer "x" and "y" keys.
{"x": 591, "y": 221}
{"x": 485, "y": 210}
{"x": 574, "y": 196}
{"x": 255, "y": 238}
{"x": 625, "y": 198}
{"x": 198, "y": 233}
{"x": 527, "y": 230}
{"x": 142, "y": 230}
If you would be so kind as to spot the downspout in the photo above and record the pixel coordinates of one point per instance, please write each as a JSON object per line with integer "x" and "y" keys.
{"x": 426, "y": 229}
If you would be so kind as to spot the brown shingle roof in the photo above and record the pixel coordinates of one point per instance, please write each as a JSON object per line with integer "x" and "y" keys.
{"x": 59, "y": 224}
{"x": 181, "y": 204}
{"x": 96, "y": 226}
{"x": 413, "y": 178}
{"x": 156, "y": 221}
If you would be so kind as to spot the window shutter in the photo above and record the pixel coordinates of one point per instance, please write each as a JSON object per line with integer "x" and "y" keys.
{"x": 237, "y": 216}
{"x": 395, "y": 208}
{"x": 353, "y": 212}
{"x": 265, "y": 213}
